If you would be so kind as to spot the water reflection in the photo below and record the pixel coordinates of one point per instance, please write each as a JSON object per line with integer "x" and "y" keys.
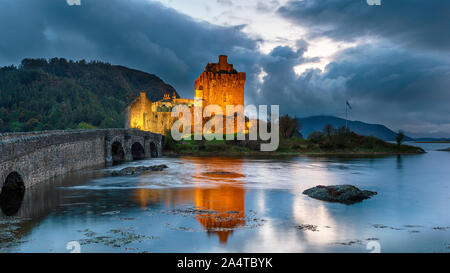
{"x": 218, "y": 195}
{"x": 227, "y": 204}
{"x": 399, "y": 162}
{"x": 12, "y": 193}
{"x": 29, "y": 207}
{"x": 241, "y": 205}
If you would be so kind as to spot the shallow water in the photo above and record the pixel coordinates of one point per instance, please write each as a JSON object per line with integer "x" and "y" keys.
{"x": 231, "y": 204}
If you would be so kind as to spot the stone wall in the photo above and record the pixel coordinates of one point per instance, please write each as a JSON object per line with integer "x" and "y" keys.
{"x": 137, "y": 111}
{"x": 143, "y": 114}
{"x": 160, "y": 122}
{"x": 6, "y": 136}
{"x": 40, "y": 156}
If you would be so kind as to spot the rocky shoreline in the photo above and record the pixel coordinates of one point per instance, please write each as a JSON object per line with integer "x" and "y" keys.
{"x": 130, "y": 171}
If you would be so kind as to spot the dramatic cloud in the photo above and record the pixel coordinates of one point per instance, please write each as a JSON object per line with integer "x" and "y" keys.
{"x": 388, "y": 85}
{"x": 139, "y": 34}
{"x": 414, "y": 23}
{"x": 395, "y": 67}
{"x": 396, "y": 74}
{"x": 225, "y": 2}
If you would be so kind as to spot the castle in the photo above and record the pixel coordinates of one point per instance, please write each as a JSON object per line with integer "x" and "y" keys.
{"x": 219, "y": 84}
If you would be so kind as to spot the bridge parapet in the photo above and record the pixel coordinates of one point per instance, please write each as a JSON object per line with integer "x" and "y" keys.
{"x": 150, "y": 145}
{"x": 38, "y": 156}
{"x": 7, "y": 136}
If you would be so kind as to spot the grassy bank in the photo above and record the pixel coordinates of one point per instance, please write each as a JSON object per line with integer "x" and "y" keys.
{"x": 338, "y": 144}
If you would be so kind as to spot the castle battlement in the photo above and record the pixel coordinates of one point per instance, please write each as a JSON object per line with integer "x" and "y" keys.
{"x": 221, "y": 84}
{"x": 239, "y": 76}
{"x": 221, "y": 67}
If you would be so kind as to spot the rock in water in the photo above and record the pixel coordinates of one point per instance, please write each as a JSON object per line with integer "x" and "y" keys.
{"x": 137, "y": 170}
{"x": 346, "y": 194}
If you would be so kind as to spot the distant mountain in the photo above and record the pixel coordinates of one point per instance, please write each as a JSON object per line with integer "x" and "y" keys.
{"x": 50, "y": 94}
{"x": 432, "y": 139}
{"x": 317, "y": 123}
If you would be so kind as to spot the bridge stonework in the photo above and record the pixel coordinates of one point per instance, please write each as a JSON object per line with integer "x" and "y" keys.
{"x": 38, "y": 156}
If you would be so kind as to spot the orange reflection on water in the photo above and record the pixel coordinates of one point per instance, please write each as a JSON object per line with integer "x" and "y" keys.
{"x": 219, "y": 196}
{"x": 226, "y": 203}
{"x": 170, "y": 197}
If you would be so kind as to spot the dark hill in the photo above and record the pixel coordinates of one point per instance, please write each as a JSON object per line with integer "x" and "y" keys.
{"x": 61, "y": 94}
{"x": 317, "y": 123}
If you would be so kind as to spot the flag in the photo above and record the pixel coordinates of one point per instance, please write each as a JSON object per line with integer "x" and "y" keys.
{"x": 349, "y": 106}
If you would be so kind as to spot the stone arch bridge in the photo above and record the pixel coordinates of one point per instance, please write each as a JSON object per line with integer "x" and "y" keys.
{"x": 29, "y": 158}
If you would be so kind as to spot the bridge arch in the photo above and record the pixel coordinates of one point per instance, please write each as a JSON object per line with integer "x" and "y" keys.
{"x": 153, "y": 150}
{"x": 12, "y": 193}
{"x": 137, "y": 151}
{"x": 117, "y": 153}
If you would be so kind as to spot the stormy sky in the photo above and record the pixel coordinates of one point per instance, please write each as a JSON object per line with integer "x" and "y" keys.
{"x": 392, "y": 62}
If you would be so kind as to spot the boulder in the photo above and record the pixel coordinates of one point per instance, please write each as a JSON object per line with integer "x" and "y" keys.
{"x": 346, "y": 194}
{"x": 137, "y": 170}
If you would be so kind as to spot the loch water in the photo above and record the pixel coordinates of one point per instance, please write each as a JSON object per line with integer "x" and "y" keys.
{"x": 240, "y": 204}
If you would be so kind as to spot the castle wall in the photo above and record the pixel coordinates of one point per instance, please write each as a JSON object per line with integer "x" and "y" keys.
{"x": 159, "y": 122}
{"x": 137, "y": 112}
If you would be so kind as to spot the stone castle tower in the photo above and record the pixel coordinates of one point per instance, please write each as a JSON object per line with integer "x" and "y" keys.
{"x": 220, "y": 84}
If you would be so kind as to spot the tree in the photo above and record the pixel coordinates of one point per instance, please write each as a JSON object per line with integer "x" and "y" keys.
{"x": 169, "y": 143}
{"x": 16, "y": 126}
{"x": 288, "y": 126}
{"x": 400, "y": 138}
{"x": 52, "y": 94}
{"x": 315, "y": 137}
{"x": 342, "y": 130}
{"x": 4, "y": 114}
{"x": 328, "y": 130}
{"x": 31, "y": 124}
{"x": 85, "y": 126}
